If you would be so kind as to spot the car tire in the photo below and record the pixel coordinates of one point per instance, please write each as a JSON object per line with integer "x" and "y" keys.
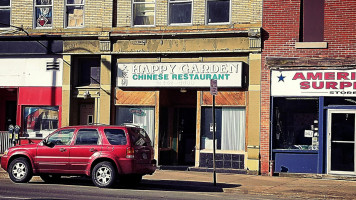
{"x": 20, "y": 170}
{"x": 50, "y": 178}
{"x": 103, "y": 175}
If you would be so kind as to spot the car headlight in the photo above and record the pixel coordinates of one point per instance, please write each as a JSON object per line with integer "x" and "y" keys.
{"x": 5, "y": 153}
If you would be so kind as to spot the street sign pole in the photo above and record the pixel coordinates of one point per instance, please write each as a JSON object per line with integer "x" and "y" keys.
{"x": 214, "y": 91}
{"x": 214, "y": 168}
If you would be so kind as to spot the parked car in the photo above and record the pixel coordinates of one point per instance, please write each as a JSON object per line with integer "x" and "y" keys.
{"x": 104, "y": 153}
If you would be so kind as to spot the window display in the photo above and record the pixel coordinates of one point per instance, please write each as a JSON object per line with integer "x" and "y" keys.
{"x": 143, "y": 117}
{"x": 230, "y": 128}
{"x": 40, "y": 121}
{"x": 295, "y": 123}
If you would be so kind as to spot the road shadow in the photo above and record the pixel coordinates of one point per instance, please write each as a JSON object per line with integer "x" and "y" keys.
{"x": 159, "y": 185}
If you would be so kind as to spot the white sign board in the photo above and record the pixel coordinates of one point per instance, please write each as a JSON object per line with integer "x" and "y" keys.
{"x": 313, "y": 83}
{"x": 19, "y": 72}
{"x": 229, "y": 74}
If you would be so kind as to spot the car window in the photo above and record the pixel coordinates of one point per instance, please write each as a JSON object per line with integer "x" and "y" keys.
{"x": 62, "y": 137}
{"x": 139, "y": 137}
{"x": 116, "y": 136}
{"x": 87, "y": 137}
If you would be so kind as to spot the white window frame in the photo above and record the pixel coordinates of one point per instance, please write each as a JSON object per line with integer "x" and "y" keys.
{"x": 66, "y": 15}
{"x": 169, "y": 14}
{"x": 132, "y": 13}
{"x": 35, "y": 18}
{"x": 217, "y": 23}
{"x": 6, "y": 8}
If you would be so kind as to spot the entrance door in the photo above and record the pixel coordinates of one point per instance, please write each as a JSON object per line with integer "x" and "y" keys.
{"x": 185, "y": 129}
{"x": 341, "y": 141}
{"x": 86, "y": 113}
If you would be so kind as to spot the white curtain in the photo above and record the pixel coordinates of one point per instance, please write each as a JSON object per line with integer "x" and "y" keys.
{"x": 233, "y": 129}
{"x": 146, "y": 121}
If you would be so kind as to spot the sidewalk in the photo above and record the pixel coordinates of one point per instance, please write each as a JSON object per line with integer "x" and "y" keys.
{"x": 286, "y": 187}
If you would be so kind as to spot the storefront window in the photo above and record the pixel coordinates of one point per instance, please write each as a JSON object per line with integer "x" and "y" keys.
{"x": 230, "y": 128}
{"x": 295, "y": 123}
{"x": 40, "y": 121}
{"x": 143, "y": 117}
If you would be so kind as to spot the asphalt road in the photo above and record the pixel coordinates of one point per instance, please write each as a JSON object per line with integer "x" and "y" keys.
{"x": 79, "y": 189}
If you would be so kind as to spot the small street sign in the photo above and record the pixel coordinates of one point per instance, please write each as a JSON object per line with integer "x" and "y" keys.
{"x": 213, "y": 87}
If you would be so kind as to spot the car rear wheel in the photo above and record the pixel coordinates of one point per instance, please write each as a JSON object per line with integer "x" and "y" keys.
{"x": 50, "y": 178}
{"x": 20, "y": 170}
{"x": 103, "y": 175}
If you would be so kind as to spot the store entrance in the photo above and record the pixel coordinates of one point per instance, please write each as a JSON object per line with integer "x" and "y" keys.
{"x": 341, "y": 141}
{"x": 177, "y": 130}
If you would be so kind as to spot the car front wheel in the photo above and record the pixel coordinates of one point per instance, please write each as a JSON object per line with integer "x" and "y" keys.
{"x": 103, "y": 175}
{"x": 20, "y": 170}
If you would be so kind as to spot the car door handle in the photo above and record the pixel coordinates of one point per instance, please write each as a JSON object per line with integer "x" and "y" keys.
{"x": 62, "y": 150}
{"x": 93, "y": 150}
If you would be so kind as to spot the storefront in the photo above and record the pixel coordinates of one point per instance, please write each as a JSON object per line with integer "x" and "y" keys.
{"x": 171, "y": 100}
{"x": 313, "y": 121}
{"x": 31, "y": 94}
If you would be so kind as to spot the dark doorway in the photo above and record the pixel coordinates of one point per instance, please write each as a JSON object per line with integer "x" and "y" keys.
{"x": 177, "y": 127}
{"x": 10, "y": 113}
{"x": 186, "y": 129}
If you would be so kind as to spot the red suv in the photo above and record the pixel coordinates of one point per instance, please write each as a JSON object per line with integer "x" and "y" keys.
{"x": 106, "y": 153}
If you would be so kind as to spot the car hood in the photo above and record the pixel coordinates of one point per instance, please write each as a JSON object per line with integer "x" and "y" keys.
{"x": 25, "y": 146}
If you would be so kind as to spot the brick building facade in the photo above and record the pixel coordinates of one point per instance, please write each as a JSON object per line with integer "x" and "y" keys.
{"x": 101, "y": 40}
{"x": 308, "y": 46}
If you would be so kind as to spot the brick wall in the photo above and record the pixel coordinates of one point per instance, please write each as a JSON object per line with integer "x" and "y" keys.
{"x": 281, "y": 31}
{"x": 99, "y": 14}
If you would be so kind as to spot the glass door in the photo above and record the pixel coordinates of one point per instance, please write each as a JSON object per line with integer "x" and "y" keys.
{"x": 341, "y": 141}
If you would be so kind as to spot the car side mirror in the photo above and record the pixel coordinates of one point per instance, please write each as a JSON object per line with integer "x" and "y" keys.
{"x": 47, "y": 143}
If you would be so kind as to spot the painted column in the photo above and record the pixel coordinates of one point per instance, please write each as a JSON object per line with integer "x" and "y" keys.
{"x": 66, "y": 88}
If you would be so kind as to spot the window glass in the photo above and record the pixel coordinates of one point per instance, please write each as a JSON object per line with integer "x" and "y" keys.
{"x": 142, "y": 117}
{"x": 63, "y": 137}
{"x": 89, "y": 71}
{"x": 295, "y": 123}
{"x": 75, "y": 13}
{"x": 40, "y": 120}
{"x": 312, "y": 21}
{"x": 218, "y": 11}
{"x": 5, "y": 13}
{"x": 43, "y": 13}
{"x": 230, "y": 128}
{"x": 143, "y": 12}
{"x": 180, "y": 12}
{"x": 139, "y": 137}
{"x": 87, "y": 137}
{"x": 116, "y": 136}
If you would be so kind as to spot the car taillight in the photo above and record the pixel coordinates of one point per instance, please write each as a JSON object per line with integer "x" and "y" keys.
{"x": 130, "y": 152}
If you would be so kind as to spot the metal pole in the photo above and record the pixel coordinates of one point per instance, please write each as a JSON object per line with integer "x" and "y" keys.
{"x": 214, "y": 169}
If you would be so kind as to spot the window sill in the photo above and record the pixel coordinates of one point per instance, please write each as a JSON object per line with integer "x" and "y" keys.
{"x": 311, "y": 45}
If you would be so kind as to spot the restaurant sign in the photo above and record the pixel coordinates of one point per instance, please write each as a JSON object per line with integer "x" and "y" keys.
{"x": 313, "y": 83}
{"x": 228, "y": 74}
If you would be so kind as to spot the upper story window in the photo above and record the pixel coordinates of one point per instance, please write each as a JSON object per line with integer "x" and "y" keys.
{"x": 5, "y": 13}
{"x": 143, "y": 12}
{"x": 43, "y": 13}
{"x": 180, "y": 12}
{"x": 89, "y": 71}
{"x": 74, "y": 13}
{"x": 312, "y": 21}
{"x": 218, "y": 11}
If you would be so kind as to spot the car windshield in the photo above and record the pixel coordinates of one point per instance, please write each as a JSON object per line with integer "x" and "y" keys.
{"x": 139, "y": 137}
